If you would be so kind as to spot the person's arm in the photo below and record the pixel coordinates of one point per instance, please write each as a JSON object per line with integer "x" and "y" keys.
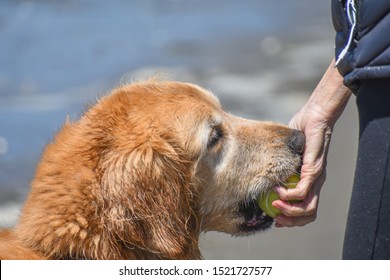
{"x": 316, "y": 119}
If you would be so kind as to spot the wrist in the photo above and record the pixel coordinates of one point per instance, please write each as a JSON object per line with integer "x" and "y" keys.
{"x": 330, "y": 96}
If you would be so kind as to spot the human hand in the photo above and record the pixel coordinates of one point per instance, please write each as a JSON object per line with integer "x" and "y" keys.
{"x": 313, "y": 172}
{"x": 316, "y": 120}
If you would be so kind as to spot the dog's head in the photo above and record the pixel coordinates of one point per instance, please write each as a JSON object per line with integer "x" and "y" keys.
{"x": 176, "y": 141}
{"x": 153, "y": 164}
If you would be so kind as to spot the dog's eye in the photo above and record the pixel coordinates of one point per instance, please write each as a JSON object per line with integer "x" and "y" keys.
{"x": 215, "y": 136}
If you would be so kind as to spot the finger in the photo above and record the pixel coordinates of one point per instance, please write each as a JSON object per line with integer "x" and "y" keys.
{"x": 306, "y": 207}
{"x": 298, "y": 209}
{"x": 303, "y": 188}
{"x": 300, "y": 192}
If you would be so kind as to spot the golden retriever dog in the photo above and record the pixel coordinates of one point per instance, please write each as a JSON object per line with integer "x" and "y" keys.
{"x": 146, "y": 170}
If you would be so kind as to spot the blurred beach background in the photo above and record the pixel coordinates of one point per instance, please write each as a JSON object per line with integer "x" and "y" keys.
{"x": 261, "y": 58}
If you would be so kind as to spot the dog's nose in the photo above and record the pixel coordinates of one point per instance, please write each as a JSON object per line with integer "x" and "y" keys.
{"x": 297, "y": 141}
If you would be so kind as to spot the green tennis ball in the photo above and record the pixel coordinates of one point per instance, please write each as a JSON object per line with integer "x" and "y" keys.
{"x": 265, "y": 203}
{"x": 292, "y": 181}
{"x": 265, "y": 200}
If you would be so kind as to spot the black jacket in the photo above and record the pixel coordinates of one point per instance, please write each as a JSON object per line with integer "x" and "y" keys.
{"x": 368, "y": 54}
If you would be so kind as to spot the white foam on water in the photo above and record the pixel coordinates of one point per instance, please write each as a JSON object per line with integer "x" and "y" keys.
{"x": 9, "y": 213}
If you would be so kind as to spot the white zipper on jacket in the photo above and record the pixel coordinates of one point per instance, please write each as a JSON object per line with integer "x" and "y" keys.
{"x": 351, "y": 15}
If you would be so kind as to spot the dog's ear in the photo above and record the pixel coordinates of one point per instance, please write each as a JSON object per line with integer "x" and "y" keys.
{"x": 148, "y": 201}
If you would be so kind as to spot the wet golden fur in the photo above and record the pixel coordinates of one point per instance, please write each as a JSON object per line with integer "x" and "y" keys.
{"x": 143, "y": 173}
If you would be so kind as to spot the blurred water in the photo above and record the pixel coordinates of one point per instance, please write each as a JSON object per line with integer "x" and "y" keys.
{"x": 51, "y": 45}
{"x": 55, "y": 56}
{"x": 262, "y": 58}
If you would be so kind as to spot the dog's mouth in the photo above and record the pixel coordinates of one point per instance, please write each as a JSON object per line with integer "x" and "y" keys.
{"x": 254, "y": 218}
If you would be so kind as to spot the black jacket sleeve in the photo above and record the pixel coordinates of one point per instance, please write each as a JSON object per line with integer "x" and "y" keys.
{"x": 367, "y": 56}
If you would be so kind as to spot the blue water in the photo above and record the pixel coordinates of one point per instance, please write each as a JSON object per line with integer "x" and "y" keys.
{"x": 55, "y": 56}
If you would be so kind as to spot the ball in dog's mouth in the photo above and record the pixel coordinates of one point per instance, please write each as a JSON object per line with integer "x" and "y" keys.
{"x": 255, "y": 219}
{"x": 265, "y": 200}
